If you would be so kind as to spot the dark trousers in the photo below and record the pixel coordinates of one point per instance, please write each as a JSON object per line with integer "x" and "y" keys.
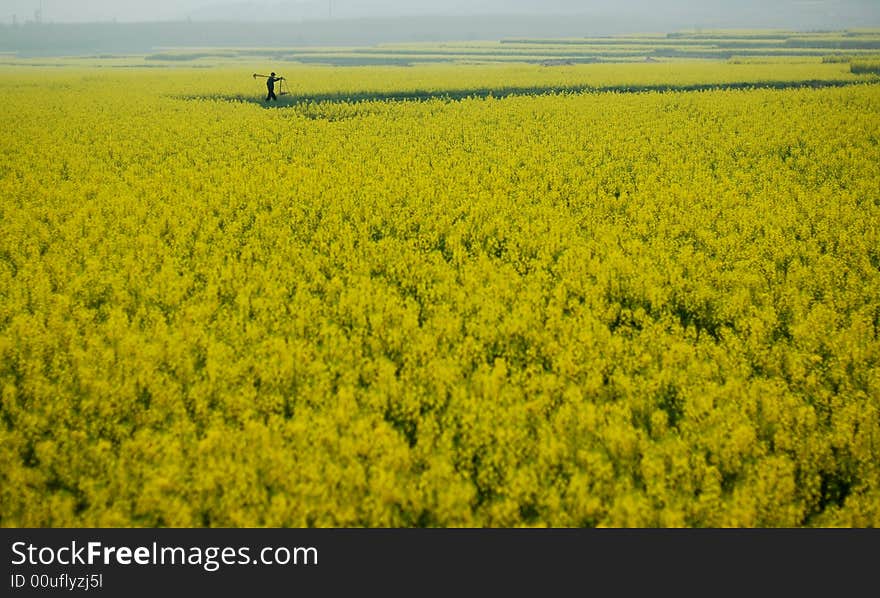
{"x": 271, "y": 95}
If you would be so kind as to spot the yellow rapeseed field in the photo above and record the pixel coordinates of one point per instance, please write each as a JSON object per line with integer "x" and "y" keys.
{"x": 548, "y": 309}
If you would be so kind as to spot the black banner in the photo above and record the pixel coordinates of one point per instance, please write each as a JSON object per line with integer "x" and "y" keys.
{"x": 411, "y": 562}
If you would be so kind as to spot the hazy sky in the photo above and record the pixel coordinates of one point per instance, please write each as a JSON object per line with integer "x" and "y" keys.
{"x": 161, "y": 10}
{"x": 158, "y": 10}
{"x": 100, "y": 10}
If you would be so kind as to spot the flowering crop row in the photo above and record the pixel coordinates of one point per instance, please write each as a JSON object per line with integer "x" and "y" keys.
{"x": 652, "y": 309}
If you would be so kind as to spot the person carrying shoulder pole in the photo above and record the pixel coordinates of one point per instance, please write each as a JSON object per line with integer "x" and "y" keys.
{"x": 270, "y": 85}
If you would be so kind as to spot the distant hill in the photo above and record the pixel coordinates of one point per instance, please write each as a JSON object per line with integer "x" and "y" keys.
{"x": 684, "y": 13}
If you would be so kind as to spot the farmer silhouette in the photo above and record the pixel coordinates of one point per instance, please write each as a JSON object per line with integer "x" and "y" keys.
{"x": 270, "y": 84}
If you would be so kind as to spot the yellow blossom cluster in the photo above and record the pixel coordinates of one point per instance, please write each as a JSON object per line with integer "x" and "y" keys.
{"x": 563, "y": 309}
